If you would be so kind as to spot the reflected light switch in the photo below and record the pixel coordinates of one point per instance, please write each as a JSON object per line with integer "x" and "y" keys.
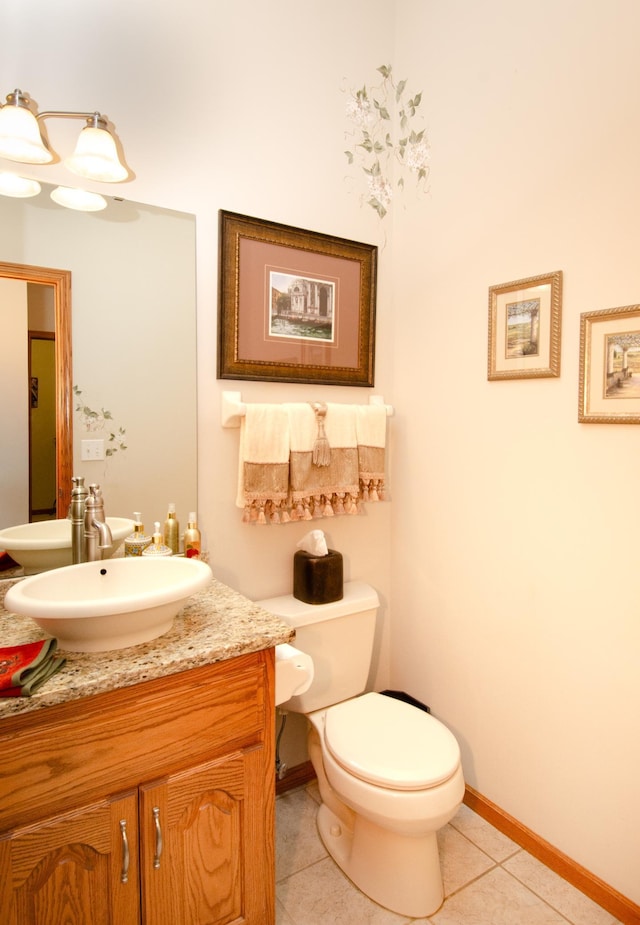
{"x": 92, "y": 449}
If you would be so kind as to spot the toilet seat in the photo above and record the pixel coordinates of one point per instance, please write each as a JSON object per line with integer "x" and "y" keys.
{"x": 389, "y": 743}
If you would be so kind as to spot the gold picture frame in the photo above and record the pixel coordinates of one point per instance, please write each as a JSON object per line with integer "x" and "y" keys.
{"x": 525, "y": 328}
{"x": 294, "y": 305}
{"x": 609, "y": 391}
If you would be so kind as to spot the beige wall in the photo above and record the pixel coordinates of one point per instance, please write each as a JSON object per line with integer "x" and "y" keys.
{"x": 512, "y": 572}
{"x": 515, "y": 601}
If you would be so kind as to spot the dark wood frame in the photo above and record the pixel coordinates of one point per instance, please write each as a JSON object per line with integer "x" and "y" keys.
{"x": 248, "y": 349}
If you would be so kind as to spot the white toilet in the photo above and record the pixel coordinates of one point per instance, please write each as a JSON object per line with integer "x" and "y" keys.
{"x": 389, "y": 773}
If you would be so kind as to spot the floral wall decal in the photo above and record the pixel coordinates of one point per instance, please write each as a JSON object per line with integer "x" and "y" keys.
{"x": 387, "y": 141}
{"x": 102, "y": 420}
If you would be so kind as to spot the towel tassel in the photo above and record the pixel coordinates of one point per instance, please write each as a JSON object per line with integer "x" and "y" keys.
{"x": 321, "y": 455}
{"x": 349, "y": 504}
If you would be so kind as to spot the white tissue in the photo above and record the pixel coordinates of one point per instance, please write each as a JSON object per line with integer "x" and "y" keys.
{"x": 314, "y": 543}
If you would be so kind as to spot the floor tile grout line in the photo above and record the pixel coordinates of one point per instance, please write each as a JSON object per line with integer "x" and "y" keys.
{"x": 517, "y": 848}
{"x": 475, "y": 879}
{"x": 538, "y": 895}
{"x": 299, "y": 870}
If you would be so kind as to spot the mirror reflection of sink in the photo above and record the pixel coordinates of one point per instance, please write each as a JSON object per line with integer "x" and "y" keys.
{"x": 101, "y": 606}
{"x": 46, "y": 544}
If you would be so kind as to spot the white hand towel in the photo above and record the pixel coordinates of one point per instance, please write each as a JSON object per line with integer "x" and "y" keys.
{"x": 263, "y": 472}
{"x": 371, "y": 427}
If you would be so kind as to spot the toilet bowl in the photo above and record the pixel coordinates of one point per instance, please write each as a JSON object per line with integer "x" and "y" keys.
{"x": 389, "y": 774}
{"x": 386, "y": 842}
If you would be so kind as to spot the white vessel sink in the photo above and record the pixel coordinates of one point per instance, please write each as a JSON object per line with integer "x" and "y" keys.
{"x": 47, "y": 544}
{"x": 101, "y": 606}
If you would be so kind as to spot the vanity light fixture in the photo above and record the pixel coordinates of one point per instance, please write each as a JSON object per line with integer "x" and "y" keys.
{"x": 95, "y": 156}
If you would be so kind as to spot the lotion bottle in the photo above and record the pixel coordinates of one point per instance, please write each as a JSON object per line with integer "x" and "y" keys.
{"x": 192, "y": 538}
{"x": 172, "y": 530}
{"x": 156, "y": 547}
{"x": 136, "y": 542}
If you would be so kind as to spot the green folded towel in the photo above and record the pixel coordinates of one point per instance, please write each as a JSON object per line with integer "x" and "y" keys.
{"x": 23, "y": 669}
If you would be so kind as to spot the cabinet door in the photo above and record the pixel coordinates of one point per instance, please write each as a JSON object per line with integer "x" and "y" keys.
{"x": 206, "y": 852}
{"x": 80, "y": 868}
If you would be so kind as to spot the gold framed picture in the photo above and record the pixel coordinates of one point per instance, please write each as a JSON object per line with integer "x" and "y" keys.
{"x": 525, "y": 327}
{"x": 610, "y": 366}
{"x": 294, "y": 305}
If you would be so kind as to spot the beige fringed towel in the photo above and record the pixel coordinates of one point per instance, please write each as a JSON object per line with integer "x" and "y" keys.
{"x": 263, "y": 476}
{"x": 302, "y": 461}
{"x": 371, "y": 430}
{"x": 323, "y": 490}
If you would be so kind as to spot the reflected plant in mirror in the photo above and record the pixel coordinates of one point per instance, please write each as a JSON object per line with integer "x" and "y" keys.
{"x": 99, "y": 421}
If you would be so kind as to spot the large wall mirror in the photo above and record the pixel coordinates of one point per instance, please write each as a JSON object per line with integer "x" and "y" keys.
{"x": 120, "y": 286}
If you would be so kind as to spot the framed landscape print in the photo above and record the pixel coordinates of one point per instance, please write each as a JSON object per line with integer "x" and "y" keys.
{"x": 524, "y": 328}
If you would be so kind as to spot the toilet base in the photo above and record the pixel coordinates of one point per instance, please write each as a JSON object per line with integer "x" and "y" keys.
{"x": 400, "y": 872}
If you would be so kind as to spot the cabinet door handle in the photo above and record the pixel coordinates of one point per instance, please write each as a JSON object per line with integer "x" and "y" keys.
{"x": 158, "y": 828}
{"x": 124, "y": 875}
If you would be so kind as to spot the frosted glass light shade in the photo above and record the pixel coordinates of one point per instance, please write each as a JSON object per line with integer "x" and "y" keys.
{"x": 20, "y": 138}
{"x": 96, "y": 157}
{"x": 19, "y": 187}
{"x": 78, "y": 199}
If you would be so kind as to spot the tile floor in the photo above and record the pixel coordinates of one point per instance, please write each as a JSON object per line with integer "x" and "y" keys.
{"x": 488, "y": 879}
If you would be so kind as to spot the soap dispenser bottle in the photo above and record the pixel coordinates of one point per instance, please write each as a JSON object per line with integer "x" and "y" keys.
{"x": 156, "y": 547}
{"x": 192, "y": 538}
{"x": 136, "y": 542}
{"x": 172, "y": 530}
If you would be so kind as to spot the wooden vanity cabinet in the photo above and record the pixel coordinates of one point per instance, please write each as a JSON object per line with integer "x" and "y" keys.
{"x": 152, "y": 804}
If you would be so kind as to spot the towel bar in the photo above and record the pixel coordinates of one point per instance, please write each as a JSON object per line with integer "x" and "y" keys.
{"x": 233, "y": 408}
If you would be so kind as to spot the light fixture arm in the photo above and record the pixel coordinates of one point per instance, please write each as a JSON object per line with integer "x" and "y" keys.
{"x": 18, "y": 98}
{"x": 94, "y": 119}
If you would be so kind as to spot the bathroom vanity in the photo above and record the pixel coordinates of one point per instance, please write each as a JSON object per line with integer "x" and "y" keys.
{"x": 137, "y": 786}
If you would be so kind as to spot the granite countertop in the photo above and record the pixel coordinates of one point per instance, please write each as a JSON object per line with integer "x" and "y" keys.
{"x": 216, "y": 624}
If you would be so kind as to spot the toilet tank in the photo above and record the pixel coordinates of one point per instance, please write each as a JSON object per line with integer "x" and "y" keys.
{"x": 338, "y": 637}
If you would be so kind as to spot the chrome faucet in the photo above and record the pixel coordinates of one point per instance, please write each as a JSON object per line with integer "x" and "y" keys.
{"x": 90, "y": 534}
{"x": 97, "y": 534}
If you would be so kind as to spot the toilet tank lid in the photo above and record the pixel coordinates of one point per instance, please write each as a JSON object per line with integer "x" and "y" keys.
{"x": 358, "y": 596}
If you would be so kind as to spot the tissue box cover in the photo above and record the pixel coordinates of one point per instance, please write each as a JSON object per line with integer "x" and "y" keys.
{"x": 317, "y": 579}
